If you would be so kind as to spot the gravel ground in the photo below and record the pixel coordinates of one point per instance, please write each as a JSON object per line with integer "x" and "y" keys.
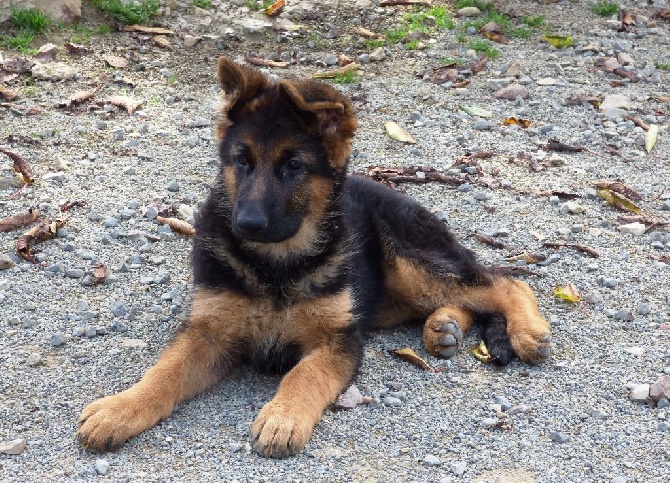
{"x": 65, "y": 342}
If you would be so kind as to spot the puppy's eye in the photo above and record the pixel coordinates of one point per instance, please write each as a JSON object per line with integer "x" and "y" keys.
{"x": 294, "y": 164}
{"x": 242, "y": 161}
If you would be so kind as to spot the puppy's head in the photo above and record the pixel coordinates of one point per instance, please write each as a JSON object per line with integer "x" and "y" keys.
{"x": 283, "y": 148}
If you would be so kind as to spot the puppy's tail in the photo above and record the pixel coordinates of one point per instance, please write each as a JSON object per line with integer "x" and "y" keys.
{"x": 494, "y": 333}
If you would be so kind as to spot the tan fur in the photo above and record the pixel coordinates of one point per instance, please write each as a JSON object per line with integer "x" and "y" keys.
{"x": 206, "y": 348}
{"x": 420, "y": 294}
{"x": 432, "y": 329}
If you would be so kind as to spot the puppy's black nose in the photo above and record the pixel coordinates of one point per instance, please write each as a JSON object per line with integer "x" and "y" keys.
{"x": 252, "y": 222}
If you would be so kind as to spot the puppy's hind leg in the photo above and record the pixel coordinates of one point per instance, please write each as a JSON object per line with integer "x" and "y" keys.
{"x": 444, "y": 330}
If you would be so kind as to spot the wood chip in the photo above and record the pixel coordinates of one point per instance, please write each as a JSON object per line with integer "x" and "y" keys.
{"x": 147, "y": 30}
{"x": 266, "y": 62}
{"x": 177, "y": 225}
{"x": 162, "y": 42}
{"x": 126, "y": 103}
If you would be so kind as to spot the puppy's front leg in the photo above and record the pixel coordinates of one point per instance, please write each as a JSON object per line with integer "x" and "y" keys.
{"x": 197, "y": 358}
{"x": 285, "y": 424}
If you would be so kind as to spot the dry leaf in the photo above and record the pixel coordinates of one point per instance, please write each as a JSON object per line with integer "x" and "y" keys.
{"x": 576, "y": 246}
{"x": 569, "y": 293}
{"x": 162, "y": 41}
{"x": 412, "y": 357}
{"x": 275, "y": 8}
{"x": 524, "y": 123}
{"x": 476, "y": 111}
{"x": 114, "y": 61}
{"x": 68, "y": 205}
{"x": 125, "y": 102}
{"x": 651, "y": 137}
{"x": 266, "y": 62}
{"x": 343, "y": 60}
{"x": 619, "y": 201}
{"x": 494, "y": 32}
{"x": 487, "y": 240}
{"x": 80, "y": 96}
{"x": 177, "y": 225}
{"x": 331, "y": 74}
{"x": 398, "y": 133}
{"x": 556, "y": 145}
{"x": 559, "y": 41}
{"x": 147, "y": 30}
{"x": 481, "y": 353}
{"x": 99, "y": 274}
{"x": 44, "y": 231}
{"x": 363, "y": 32}
{"x": 527, "y": 257}
{"x": 19, "y": 220}
{"x": 20, "y": 166}
{"x": 620, "y": 188}
{"x": 75, "y": 49}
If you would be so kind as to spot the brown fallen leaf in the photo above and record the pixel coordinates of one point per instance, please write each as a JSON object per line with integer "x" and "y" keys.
{"x": 69, "y": 204}
{"x": 162, "y": 41}
{"x": 480, "y": 64}
{"x": 126, "y": 103}
{"x": 99, "y": 273}
{"x": 663, "y": 13}
{"x": 620, "y": 188}
{"x": 575, "y": 246}
{"x": 21, "y": 166}
{"x": 116, "y": 62}
{"x": 556, "y": 145}
{"x": 458, "y": 85}
{"x": 660, "y": 98}
{"x": 564, "y": 195}
{"x": 44, "y": 231}
{"x": 21, "y": 110}
{"x": 575, "y": 101}
{"x": 75, "y": 49}
{"x": 619, "y": 201}
{"x": 147, "y": 30}
{"x": 80, "y": 97}
{"x": 363, "y": 32}
{"x": 442, "y": 74}
{"x": 512, "y": 270}
{"x": 275, "y": 8}
{"x": 177, "y": 225}
{"x": 343, "y": 60}
{"x": 527, "y": 257}
{"x": 487, "y": 240}
{"x": 393, "y": 3}
{"x": 331, "y": 74}
{"x": 569, "y": 293}
{"x": 481, "y": 353}
{"x": 494, "y": 32}
{"x": 19, "y": 220}
{"x": 8, "y": 94}
{"x": 524, "y": 123}
{"x": 638, "y": 122}
{"x": 410, "y": 174}
{"x": 266, "y": 62}
{"x": 412, "y": 357}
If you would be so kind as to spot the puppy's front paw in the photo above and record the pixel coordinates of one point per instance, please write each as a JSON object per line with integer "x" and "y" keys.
{"x": 278, "y": 432}
{"x": 108, "y": 422}
{"x": 532, "y": 348}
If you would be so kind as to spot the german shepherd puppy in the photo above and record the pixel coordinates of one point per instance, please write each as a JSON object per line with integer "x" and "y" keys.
{"x": 294, "y": 260}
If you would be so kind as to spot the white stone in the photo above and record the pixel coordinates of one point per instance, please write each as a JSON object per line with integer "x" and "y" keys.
{"x": 134, "y": 343}
{"x": 546, "y": 81}
{"x": 469, "y": 12}
{"x": 615, "y": 100}
{"x": 640, "y": 393}
{"x": 636, "y": 228}
{"x": 190, "y": 40}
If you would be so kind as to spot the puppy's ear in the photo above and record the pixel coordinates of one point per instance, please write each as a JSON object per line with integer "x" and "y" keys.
{"x": 327, "y": 113}
{"x": 238, "y": 82}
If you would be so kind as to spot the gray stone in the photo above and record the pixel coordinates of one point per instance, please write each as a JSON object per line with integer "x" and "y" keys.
{"x": 173, "y": 186}
{"x": 378, "y": 54}
{"x": 624, "y": 314}
{"x": 16, "y": 446}
{"x": 34, "y": 359}
{"x": 65, "y": 11}
{"x": 432, "y": 460}
{"x": 57, "y": 339}
{"x": 512, "y": 92}
{"x": 558, "y": 437}
{"x": 635, "y": 229}
{"x": 660, "y": 389}
{"x": 350, "y": 398}
{"x": 392, "y": 401}
{"x": 253, "y": 26}
{"x": 458, "y": 468}
{"x": 54, "y": 71}
{"x": 5, "y": 262}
